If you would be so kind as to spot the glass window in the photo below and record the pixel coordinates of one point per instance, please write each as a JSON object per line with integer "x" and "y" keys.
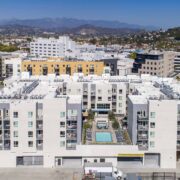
{"x": 30, "y": 133}
{"x": 62, "y": 143}
{"x": 152, "y": 114}
{"x": 15, "y": 133}
{"x": 30, "y": 124}
{"x": 120, "y": 97}
{"x": 16, "y": 143}
{"x": 152, "y": 124}
{"x": 62, "y": 114}
{"x": 62, "y": 124}
{"x": 120, "y": 104}
{"x": 15, "y": 123}
{"x": 152, "y": 144}
{"x": 30, "y": 143}
{"x": 62, "y": 133}
{"x": 30, "y": 114}
{"x": 152, "y": 134}
{"x": 102, "y": 160}
{"x": 15, "y": 114}
{"x": 72, "y": 112}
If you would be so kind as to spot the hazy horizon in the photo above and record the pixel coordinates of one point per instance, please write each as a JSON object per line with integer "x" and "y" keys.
{"x": 159, "y": 13}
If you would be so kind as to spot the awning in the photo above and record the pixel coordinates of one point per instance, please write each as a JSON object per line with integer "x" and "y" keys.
{"x": 130, "y": 155}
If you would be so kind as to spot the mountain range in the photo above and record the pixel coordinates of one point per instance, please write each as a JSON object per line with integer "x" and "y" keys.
{"x": 69, "y": 23}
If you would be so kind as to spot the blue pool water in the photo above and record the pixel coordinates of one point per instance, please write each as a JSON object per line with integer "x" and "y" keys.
{"x": 103, "y": 137}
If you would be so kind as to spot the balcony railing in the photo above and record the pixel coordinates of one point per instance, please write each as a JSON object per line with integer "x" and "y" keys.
{"x": 142, "y": 137}
{"x": 40, "y": 117}
{"x": 72, "y": 118}
{"x": 39, "y": 126}
{"x": 142, "y": 128}
{"x": 143, "y": 147}
{"x": 142, "y": 118}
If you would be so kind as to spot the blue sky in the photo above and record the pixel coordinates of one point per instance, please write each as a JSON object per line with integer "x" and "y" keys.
{"x": 162, "y": 13}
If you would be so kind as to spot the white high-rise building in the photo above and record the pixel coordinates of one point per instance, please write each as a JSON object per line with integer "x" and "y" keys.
{"x": 52, "y": 47}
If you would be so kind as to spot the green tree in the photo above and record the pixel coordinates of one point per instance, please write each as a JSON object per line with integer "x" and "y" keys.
{"x": 115, "y": 124}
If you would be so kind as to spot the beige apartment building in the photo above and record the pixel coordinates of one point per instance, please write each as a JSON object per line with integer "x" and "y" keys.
{"x": 155, "y": 63}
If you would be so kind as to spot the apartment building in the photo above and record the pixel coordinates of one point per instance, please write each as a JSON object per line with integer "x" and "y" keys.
{"x": 101, "y": 95}
{"x": 152, "y": 110}
{"x": 58, "y": 67}
{"x": 52, "y": 47}
{"x": 3, "y": 58}
{"x": 155, "y": 63}
{"x": 48, "y": 132}
{"x": 177, "y": 64}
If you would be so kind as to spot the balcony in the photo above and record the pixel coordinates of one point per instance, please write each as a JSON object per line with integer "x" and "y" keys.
{"x": 40, "y": 117}
{"x": 142, "y": 128}
{"x": 72, "y": 118}
{"x": 141, "y": 117}
{"x": 85, "y": 92}
{"x": 6, "y": 118}
{"x": 143, "y": 147}
{"x": 71, "y": 136}
{"x": 178, "y": 136}
{"x": 71, "y": 127}
{"x": 142, "y": 137}
{"x": 85, "y": 99}
{"x": 39, "y": 146}
{"x": 39, "y": 126}
{"x": 70, "y": 146}
{"x": 178, "y": 147}
{"x": 178, "y": 127}
{"x": 7, "y": 125}
{"x": 39, "y": 136}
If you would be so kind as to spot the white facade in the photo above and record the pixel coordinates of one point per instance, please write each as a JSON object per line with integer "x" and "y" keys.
{"x": 51, "y": 47}
{"x": 37, "y": 114}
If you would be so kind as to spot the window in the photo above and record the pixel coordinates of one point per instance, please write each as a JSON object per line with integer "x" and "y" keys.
{"x": 15, "y": 123}
{"x": 62, "y": 143}
{"x": 62, "y": 133}
{"x": 152, "y": 144}
{"x": 15, "y": 133}
{"x": 120, "y": 104}
{"x": 109, "y": 98}
{"x": 30, "y": 133}
{"x": 120, "y": 91}
{"x": 85, "y": 160}
{"x": 152, "y": 124}
{"x": 152, "y": 114}
{"x": 102, "y": 160}
{"x": 62, "y": 124}
{"x": 72, "y": 112}
{"x": 30, "y": 143}
{"x": 152, "y": 134}
{"x": 16, "y": 143}
{"x": 103, "y": 106}
{"x": 95, "y": 160}
{"x": 99, "y": 98}
{"x": 30, "y": 114}
{"x": 15, "y": 114}
{"x": 62, "y": 114}
{"x": 30, "y": 124}
{"x": 120, "y": 97}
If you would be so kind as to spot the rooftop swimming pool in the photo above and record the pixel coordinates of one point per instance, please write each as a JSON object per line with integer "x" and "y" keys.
{"x": 103, "y": 137}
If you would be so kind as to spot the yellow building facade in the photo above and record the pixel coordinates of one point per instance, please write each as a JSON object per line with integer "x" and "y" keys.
{"x": 58, "y": 67}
